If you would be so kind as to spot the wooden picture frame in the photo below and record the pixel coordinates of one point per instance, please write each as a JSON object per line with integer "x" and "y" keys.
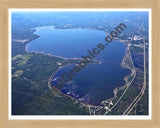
{"x": 5, "y": 5}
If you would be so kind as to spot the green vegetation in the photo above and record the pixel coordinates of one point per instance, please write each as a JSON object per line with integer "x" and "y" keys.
{"x": 30, "y": 76}
{"x": 31, "y": 71}
{"x": 141, "y": 108}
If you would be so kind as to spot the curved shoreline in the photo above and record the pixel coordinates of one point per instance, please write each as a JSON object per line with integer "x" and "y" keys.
{"x": 51, "y": 86}
{"x": 124, "y": 65}
{"x": 65, "y": 58}
{"x": 108, "y": 99}
{"x": 51, "y": 55}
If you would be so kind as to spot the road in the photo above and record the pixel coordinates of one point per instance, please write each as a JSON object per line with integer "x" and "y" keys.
{"x": 139, "y": 96}
{"x": 134, "y": 72}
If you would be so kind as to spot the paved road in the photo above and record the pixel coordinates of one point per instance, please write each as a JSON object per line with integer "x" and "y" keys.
{"x": 139, "y": 96}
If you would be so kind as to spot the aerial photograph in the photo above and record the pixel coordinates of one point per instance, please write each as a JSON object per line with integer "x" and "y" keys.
{"x": 80, "y": 62}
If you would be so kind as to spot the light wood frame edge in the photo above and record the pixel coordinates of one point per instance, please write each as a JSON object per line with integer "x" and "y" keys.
{"x": 6, "y": 4}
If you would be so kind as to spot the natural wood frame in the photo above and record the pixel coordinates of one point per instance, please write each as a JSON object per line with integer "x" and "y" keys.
{"x": 6, "y": 4}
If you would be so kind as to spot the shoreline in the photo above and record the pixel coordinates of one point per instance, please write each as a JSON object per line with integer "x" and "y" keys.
{"x": 123, "y": 65}
{"x": 66, "y": 58}
{"x": 48, "y": 54}
{"x": 51, "y": 86}
{"x": 114, "y": 91}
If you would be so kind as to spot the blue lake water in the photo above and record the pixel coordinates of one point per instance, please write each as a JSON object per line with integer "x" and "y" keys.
{"x": 69, "y": 43}
{"x": 97, "y": 81}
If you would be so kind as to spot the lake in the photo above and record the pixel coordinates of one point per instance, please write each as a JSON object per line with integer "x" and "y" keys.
{"x": 96, "y": 82}
{"x": 68, "y": 43}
